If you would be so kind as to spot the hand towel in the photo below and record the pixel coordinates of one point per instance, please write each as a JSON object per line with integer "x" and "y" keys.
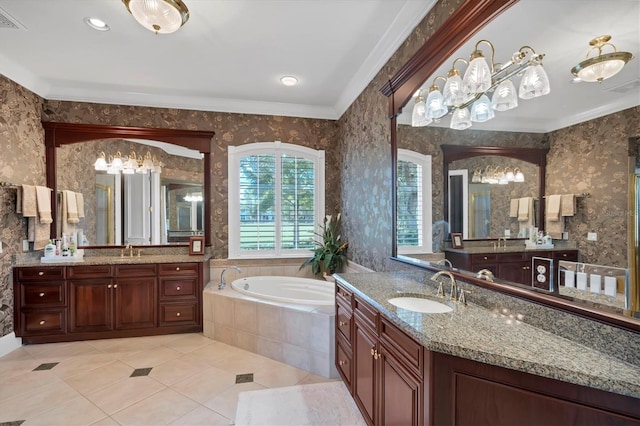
{"x": 43, "y": 196}
{"x": 568, "y": 205}
{"x": 72, "y": 207}
{"x": 19, "y": 200}
{"x": 65, "y": 226}
{"x": 29, "y": 203}
{"x": 38, "y": 233}
{"x": 553, "y": 207}
{"x": 80, "y": 204}
{"x": 513, "y": 207}
{"x": 523, "y": 209}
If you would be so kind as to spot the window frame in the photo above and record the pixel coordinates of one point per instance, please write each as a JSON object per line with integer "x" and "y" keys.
{"x": 277, "y": 148}
{"x": 424, "y": 161}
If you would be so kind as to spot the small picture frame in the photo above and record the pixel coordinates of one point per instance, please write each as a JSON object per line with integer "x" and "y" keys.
{"x": 196, "y": 245}
{"x": 456, "y": 240}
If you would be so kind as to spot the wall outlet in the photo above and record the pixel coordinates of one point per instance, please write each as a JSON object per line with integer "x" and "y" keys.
{"x": 565, "y": 235}
{"x": 592, "y": 236}
{"x": 25, "y": 245}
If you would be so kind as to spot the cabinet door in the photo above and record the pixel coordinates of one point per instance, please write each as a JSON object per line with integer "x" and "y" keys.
{"x": 91, "y": 306}
{"x": 517, "y": 272}
{"x": 135, "y": 303}
{"x": 402, "y": 392}
{"x": 364, "y": 381}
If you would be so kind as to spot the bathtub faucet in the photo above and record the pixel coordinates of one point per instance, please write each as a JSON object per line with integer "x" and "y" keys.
{"x": 222, "y": 284}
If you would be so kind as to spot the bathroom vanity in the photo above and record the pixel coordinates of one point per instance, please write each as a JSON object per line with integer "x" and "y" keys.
{"x": 105, "y": 297}
{"x": 471, "y": 365}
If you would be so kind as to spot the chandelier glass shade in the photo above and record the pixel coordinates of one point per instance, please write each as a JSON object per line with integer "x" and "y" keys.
{"x": 159, "y": 16}
{"x": 118, "y": 164}
{"x": 497, "y": 175}
{"x": 461, "y": 119}
{"x": 484, "y": 80}
{"x": 418, "y": 117}
{"x": 603, "y": 66}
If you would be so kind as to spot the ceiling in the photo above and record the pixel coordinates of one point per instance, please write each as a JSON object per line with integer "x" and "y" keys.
{"x": 561, "y": 29}
{"x": 228, "y": 57}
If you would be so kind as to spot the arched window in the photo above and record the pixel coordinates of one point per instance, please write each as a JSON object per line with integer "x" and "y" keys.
{"x": 276, "y": 199}
{"x": 414, "y": 202}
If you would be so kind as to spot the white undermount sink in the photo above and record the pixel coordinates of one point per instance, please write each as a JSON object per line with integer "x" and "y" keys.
{"x": 419, "y": 304}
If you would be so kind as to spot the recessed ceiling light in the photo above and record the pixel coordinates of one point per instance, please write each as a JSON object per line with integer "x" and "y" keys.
{"x": 289, "y": 80}
{"x": 96, "y": 24}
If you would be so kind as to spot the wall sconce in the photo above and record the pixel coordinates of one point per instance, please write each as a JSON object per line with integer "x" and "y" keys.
{"x": 601, "y": 67}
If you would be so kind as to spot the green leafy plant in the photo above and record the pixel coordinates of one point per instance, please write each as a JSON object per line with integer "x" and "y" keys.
{"x": 330, "y": 252}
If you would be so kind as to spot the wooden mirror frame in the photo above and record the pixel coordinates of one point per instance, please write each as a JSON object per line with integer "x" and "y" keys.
{"x": 466, "y": 21}
{"x": 58, "y": 134}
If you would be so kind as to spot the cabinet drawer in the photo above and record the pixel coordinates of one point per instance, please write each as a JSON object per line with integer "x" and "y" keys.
{"x": 178, "y": 314}
{"x": 44, "y": 322}
{"x": 479, "y": 259}
{"x": 138, "y": 270}
{"x": 402, "y": 346}
{"x": 343, "y": 295}
{"x": 171, "y": 288}
{"x": 511, "y": 257}
{"x": 90, "y": 271}
{"x": 367, "y": 314}
{"x": 569, "y": 255}
{"x": 343, "y": 325}
{"x": 343, "y": 362}
{"x": 39, "y": 294}
{"x": 40, "y": 274}
{"x": 179, "y": 268}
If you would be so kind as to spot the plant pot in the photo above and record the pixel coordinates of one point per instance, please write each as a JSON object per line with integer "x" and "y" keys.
{"x": 329, "y": 278}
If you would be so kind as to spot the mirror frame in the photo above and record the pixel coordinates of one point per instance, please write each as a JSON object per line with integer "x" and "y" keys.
{"x": 58, "y": 134}
{"x": 536, "y": 156}
{"x": 463, "y": 23}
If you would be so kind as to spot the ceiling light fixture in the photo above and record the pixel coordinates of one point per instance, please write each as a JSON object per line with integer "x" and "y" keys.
{"x": 480, "y": 79}
{"x": 96, "y": 24}
{"x": 601, "y": 67}
{"x": 159, "y": 16}
{"x": 289, "y": 80}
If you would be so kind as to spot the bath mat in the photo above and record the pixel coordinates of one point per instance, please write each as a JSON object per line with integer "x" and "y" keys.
{"x": 314, "y": 404}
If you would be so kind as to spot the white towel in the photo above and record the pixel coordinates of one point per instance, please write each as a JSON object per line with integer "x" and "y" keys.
{"x": 43, "y": 196}
{"x": 80, "y": 204}
{"x": 513, "y": 207}
{"x": 568, "y": 205}
{"x": 29, "y": 203}
{"x": 64, "y": 225}
{"x": 524, "y": 209}
{"x": 553, "y": 207}
{"x": 72, "y": 207}
{"x": 555, "y": 227}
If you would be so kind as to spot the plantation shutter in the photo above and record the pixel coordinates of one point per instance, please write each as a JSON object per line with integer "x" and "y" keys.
{"x": 410, "y": 202}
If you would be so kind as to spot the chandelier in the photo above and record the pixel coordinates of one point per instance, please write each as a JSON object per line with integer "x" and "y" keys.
{"x": 601, "y": 67}
{"x": 159, "y": 16}
{"x": 467, "y": 98}
{"x": 497, "y": 175}
{"x": 115, "y": 165}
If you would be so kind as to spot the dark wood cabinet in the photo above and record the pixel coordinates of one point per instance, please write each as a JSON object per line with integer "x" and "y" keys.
{"x": 64, "y": 303}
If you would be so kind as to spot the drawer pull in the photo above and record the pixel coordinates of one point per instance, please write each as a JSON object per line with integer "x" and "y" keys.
{"x": 564, "y": 254}
{"x": 40, "y": 273}
{"x": 109, "y": 286}
{"x": 115, "y": 286}
{"x": 342, "y": 323}
{"x": 178, "y": 314}
{"x": 41, "y": 295}
{"x": 177, "y": 268}
{"x": 342, "y": 362}
{"x": 485, "y": 258}
{"x": 178, "y": 288}
{"x": 42, "y": 322}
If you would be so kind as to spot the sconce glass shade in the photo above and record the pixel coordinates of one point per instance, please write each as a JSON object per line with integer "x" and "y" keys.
{"x": 534, "y": 82}
{"x": 418, "y": 117}
{"x": 453, "y": 92}
{"x": 477, "y": 77}
{"x": 435, "y": 105}
{"x": 477, "y": 176}
{"x": 505, "y": 96}
{"x": 117, "y": 163}
{"x": 481, "y": 110}
{"x": 101, "y": 163}
{"x": 159, "y": 16}
{"x": 518, "y": 176}
{"x": 509, "y": 175}
{"x": 460, "y": 120}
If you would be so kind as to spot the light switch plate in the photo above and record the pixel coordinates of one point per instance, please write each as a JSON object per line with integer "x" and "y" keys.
{"x": 565, "y": 235}
{"x": 507, "y": 233}
{"x": 0, "y": 246}
{"x": 592, "y": 236}
{"x": 25, "y": 245}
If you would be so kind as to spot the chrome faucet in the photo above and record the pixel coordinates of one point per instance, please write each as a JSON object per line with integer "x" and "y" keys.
{"x": 502, "y": 239}
{"x": 454, "y": 285}
{"x": 222, "y": 283}
{"x": 445, "y": 262}
{"x": 485, "y": 274}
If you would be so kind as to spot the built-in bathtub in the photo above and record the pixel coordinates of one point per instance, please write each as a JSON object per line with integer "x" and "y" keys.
{"x": 288, "y": 319}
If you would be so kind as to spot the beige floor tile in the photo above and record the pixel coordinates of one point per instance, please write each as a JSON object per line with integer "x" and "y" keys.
{"x": 54, "y": 350}
{"x": 226, "y": 402}
{"x": 26, "y": 383}
{"x": 151, "y": 357}
{"x": 311, "y": 378}
{"x": 176, "y": 370}
{"x": 19, "y": 354}
{"x": 187, "y": 343}
{"x": 44, "y": 398}
{"x": 124, "y": 393}
{"x": 108, "y": 421}
{"x": 206, "y": 384}
{"x": 73, "y": 366}
{"x": 201, "y": 416}
{"x": 11, "y": 368}
{"x": 278, "y": 375}
{"x": 106, "y": 375}
{"x": 77, "y": 411}
{"x": 158, "y": 409}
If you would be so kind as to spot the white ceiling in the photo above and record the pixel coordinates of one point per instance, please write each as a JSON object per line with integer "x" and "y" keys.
{"x": 561, "y": 29}
{"x": 228, "y": 57}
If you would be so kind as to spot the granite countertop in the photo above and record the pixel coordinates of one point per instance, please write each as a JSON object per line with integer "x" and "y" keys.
{"x": 508, "y": 249}
{"x": 476, "y": 333}
{"x": 117, "y": 260}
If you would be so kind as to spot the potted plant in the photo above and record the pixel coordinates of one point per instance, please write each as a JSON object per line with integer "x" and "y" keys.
{"x": 330, "y": 252}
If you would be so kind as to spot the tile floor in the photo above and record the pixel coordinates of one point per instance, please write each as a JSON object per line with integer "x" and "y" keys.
{"x": 179, "y": 379}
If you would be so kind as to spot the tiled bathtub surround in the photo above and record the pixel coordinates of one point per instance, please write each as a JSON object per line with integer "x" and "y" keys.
{"x": 301, "y": 336}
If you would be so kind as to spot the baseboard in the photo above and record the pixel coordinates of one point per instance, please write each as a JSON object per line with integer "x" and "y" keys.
{"x": 9, "y": 343}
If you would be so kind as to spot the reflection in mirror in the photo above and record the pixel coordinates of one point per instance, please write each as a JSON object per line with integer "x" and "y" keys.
{"x": 157, "y": 207}
{"x": 587, "y": 128}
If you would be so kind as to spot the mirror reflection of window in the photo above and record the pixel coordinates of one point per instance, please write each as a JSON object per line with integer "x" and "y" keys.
{"x": 480, "y": 200}
{"x": 413, "y": 209}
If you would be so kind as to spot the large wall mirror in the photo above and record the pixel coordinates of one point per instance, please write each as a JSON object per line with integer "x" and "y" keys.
{"x": 161, "y": 198}
{"x": 579, "y": 136}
